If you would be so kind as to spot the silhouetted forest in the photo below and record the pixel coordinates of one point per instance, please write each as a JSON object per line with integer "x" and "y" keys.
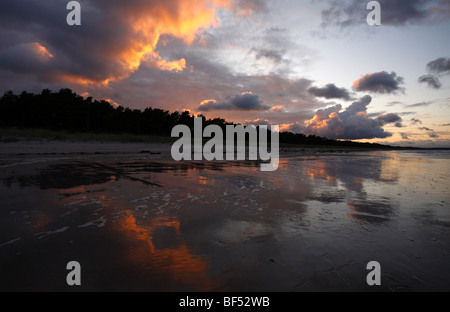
{"x": 66, "y": 110}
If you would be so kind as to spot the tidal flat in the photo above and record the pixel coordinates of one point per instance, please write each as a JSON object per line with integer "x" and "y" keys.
{"x": 136, "y": 220}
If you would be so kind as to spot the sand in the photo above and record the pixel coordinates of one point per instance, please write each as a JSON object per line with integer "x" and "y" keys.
{"x": 137, "y": 221}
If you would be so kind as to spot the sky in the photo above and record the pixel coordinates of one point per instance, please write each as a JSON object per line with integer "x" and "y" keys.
{"x": 309, "y": 66}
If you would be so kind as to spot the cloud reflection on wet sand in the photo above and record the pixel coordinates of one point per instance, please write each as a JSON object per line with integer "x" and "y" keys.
{"x": 151, "y": 225}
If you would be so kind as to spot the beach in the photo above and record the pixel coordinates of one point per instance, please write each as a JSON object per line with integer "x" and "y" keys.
{"x": 136, "y": 220}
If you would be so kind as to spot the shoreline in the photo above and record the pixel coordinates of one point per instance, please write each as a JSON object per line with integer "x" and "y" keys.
{"x": 163, "y": 150}
{"x": 66, "y": 141}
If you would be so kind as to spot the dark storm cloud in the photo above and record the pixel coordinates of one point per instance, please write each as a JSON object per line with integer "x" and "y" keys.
{"x": 381, "y": 82}
{"x": 24, "y": 58}
{"x": 85, "y": 51}
{"x": 244, "y": 102}
{"x": 330, "y": 91}
{"x": 116, "y": 37}
{"x": 345, "y": 13}
{"x": 39, "y": 50}
{"x": 432, "y": 81}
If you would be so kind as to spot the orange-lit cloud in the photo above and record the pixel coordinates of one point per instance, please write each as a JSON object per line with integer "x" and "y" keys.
{"x": 116, "y": 38}
{"x": 148, "y": 21}
{"x": 258, "y": 122}
{"x": 40, "y": 51}
{"x": 278, "y": 108}
{"x": 113, "y": 103}
{"x": 180, "y": 19}
{"x": 351, "y": 124}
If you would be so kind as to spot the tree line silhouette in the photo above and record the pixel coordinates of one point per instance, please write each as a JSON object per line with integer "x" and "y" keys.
{"x": 66, "y": 110}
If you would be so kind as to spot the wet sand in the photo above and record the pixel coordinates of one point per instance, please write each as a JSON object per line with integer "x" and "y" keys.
{"x": 137, "y": 221}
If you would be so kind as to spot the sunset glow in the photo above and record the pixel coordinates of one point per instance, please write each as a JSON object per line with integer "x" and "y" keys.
{"x": 310, "y": 67}
{"x": 41, "y": 51}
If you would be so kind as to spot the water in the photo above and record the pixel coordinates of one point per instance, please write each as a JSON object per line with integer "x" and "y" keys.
{"x": 143, "y": 224}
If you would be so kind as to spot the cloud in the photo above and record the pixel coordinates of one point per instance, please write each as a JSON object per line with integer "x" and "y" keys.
{"x": 272, "y": 55}
{"x": 432, "y": 81}
{"x": 96, "y": 56}
{"x": 415, "y": 121}
{"x": 330, "y": 91}
{"x": 380, "y": 82}
{"x": 347, "y": 13}
{"x": 420, "y": 104}
{"x": 211, "y": 80}
{"x": 115, "y": 39}
{"x": 258, "y": 122}
{"x": 247, "y": 7}
{"x": 406, "y": 113}
{"x": 351, "y": 124}
{"x": 278, "y": 109}
{"x": 295, "y": 127}
{"x": 404, "y": 136}
{"x": 273, "y": 50}
{"x": 389, "y": 118}
{"x": 25, "y": 57}
{"x": 246, "y": 101}
{"x": 393, "y": 103}
{"x": 431, "y": 132}
{"x": 439, "y": 66}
